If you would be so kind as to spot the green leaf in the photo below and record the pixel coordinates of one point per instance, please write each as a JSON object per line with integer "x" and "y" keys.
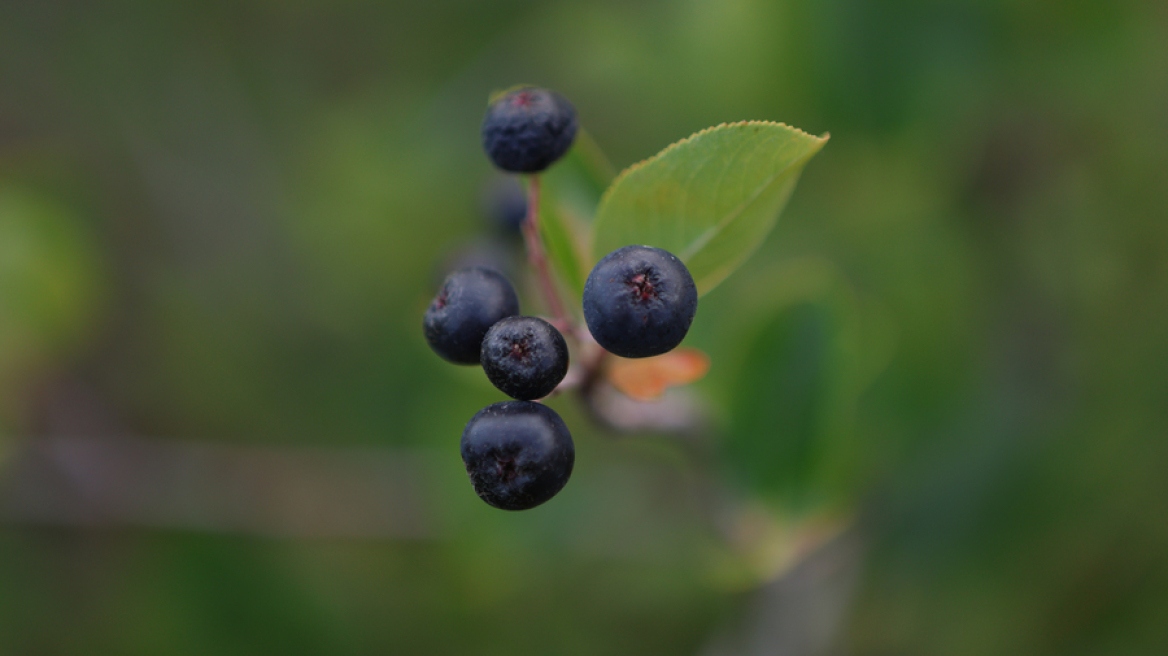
{"x": 800, "y": 354}
{"x": 710, "y": 199}
{"x": 779, "y": 418}
{"x": 569, "y": 194}
{"x": 563, "y": 239}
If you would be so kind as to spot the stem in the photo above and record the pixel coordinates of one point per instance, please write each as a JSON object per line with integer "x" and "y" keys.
{"x": 594, "y": 356}
{"x": 537, "y": 257}
{"x": 592, "y": 370}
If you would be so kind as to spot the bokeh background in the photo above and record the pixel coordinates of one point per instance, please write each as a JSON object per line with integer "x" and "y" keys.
{"x": 935, "y": 421}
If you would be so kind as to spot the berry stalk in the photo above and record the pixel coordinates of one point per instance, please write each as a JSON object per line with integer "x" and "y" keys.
{"x": 538, "y": 259}
{"x": 585, "y": 377}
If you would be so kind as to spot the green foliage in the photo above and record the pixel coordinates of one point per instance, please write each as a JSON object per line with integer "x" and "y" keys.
{"x": 802, "y": 349}
{"x": 50, "y": 282}
{"x": 780, "y": 414}
{"x": 709, "y": 199}
{"x": 570, "y": 192}
{"x": 275, "y": 185}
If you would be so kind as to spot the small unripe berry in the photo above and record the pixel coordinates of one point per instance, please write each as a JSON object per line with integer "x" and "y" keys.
{"x": 505, "y": 205}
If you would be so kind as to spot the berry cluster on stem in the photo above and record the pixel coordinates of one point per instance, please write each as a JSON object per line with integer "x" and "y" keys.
{"x": 638, "y": 302}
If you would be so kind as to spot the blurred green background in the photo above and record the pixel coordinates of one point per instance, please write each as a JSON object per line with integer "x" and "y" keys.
{"x": 221, "y": 431}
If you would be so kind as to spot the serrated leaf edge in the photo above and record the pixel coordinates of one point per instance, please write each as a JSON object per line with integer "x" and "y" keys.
{"x": 714, "y": 230}
{"x": 652, "y": 158}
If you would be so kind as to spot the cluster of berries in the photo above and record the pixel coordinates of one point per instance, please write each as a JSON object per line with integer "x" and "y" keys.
{"x": 639, "y": 301}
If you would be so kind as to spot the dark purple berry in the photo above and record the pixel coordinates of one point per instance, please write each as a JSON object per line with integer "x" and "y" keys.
{"x": 518, "y": 454}
{"x": 525, "y": 357}
{"x": 470, "y": 302}
{"x": 639, "y": 301}
{"x": 526, "y": 130}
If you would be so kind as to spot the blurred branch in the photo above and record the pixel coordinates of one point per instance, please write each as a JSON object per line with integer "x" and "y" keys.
{"x": 801, "y": 613}
{"x": 285, "y": 492}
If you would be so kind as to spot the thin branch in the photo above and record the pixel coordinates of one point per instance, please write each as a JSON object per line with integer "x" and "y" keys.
{"x": 300, "y": 492}
{"x": 593, "y": 356}
{"x": 538, "y": 258}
